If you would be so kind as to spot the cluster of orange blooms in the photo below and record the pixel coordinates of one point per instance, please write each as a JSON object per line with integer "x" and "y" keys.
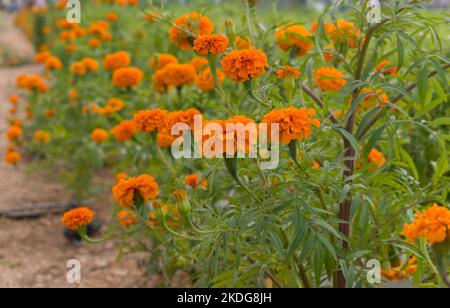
{"x": 432, "y": 224}
{"x": 14, "y": 133}
{"x": 112, "y": 105}
{"x": 401, "y": 272}
{"x": 187, "y": 27}
{"x": 84, "y": 66}
{"x": 50, "y": 61}
{"x": 32, "y": 83}
{"x": 42, "y": 136}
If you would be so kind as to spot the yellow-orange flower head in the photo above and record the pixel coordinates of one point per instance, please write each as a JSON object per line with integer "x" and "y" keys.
{"x": 211, "y": 44}
{"x": 294, "y": 123}
{"x": 77, "y": 218}
{"x": 116, "y": 60}
{"x": 124, "y": 192}
{"x": 127, "y": 77}
{"x": 12, "y": 157}
{"x": 150, "y": 120}
{"x": 99, "y": 135}
{"x": 124, "y": 131}
{"x": 329, "y": 79}
{"x": 243, "y": 65}
{"x": 288, "y": 72}
{"x": 162, "y": 60}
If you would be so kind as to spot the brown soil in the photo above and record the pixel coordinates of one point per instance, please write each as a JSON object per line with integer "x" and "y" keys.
{"x": 34, "y": 253}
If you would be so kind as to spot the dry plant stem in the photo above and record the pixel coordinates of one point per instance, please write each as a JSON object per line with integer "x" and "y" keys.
{"x": 349, "y": 152}
{"x": 318, "y": 101}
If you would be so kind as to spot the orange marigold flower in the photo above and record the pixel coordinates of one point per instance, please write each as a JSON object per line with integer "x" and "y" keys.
{"x": 179, "y": 75}
{"x": 242, "y": 43}
{"x": 49, "y": 113}
{"x": 316, "y": 165}
{"x": 90, "y": 64}
{"x": 205, "y": 80}
{"x": 328, "y": 27}
{"x": 42, "y": 136}
{"x": 16, "y": 122}
{"x": 14, "y": 133}
{"x": 12, "y": 157}
{"x": 99, "y": 135}
{"x": 295, "y": 36}
{"x": 73, "y": 94}
{"x": 162, "y": 60}
{"x": 432, "y": 224}
{"x": 53, "y": 63}
{"x": 94, "y": 43}
{"x": 186, "y": 117}
{"x": 329, "y": 53}
{"x": 14, "y": 99}
{"x": 288, "y": 72}
{"x": 329, "y": 79}
{"x": 164, "y": 138}
{"x": 127, "y": 77}
{"x": 124, "y": 131}
{"x": 99, "y": 27}
{"x": 294, "y": 123}
{"x": 124, "y": 192}
{"x": 186, "y": 27}
{"x": 243, "y": 65}
{"x": 237, "y": 126}
{"x": 385, "y": 68}
{"x": 150, "y": 120}
{"x": 78, "y": 68}
{"x": 121, "y": 176}
{"x": 127, "y": 218}
{"x": 199, "y": 63}
{"x": 211, "y": 44}
{"x": 376, "y": 159}
{"x": 77, "y": 218}
{"x": 41, "y": 57}
{"x": 116, "y": 60}
{"x": 194, "y": 181}
{"x": 32, "y": 83}
{"x": 111, "y": 16}
{"x": 71, "y": 48}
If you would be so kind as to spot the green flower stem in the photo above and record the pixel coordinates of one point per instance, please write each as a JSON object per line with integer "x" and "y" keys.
{"x": 249, "y": 88}
{"x": 293, "y": 151}
{"x": 174, "y": 233}
{"x": 85, "y": 237}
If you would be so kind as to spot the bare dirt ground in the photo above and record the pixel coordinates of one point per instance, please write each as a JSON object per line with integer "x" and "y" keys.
{"x": 34, "y": 253}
